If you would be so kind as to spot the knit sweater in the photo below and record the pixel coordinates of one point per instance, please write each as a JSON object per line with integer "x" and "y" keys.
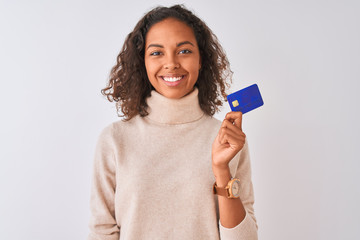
{"x": 153, "y": 178}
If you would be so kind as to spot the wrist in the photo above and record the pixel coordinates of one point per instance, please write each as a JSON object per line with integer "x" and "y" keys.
{"x": 222, "y": 176}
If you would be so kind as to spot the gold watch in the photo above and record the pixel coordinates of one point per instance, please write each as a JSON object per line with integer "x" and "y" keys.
{"x": 232, "y": 190}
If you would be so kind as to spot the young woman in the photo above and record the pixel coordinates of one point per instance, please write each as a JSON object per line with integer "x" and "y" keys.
{"x": 169, "y": 170}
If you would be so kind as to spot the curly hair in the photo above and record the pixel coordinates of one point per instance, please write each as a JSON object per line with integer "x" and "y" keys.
{"x": 129, "y": 85}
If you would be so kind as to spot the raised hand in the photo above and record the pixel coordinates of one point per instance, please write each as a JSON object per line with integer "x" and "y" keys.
{"x": 229, "y": 141}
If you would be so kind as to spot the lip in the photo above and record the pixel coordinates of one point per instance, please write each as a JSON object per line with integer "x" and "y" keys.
{"x": 175, "y": 83}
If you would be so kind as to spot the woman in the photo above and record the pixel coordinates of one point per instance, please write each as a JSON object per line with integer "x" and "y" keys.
{"x": 169, "y": 170}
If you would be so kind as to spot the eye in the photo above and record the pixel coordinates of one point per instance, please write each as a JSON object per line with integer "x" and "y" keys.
{"x": 155, "y": 53}
{"x": 185, "y": 51}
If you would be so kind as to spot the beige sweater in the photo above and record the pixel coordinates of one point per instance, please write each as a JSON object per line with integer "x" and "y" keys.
{"x": 153, "y": 179}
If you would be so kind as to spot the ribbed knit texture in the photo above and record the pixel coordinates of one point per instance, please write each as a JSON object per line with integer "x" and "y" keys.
{"x": 153, "y": 178}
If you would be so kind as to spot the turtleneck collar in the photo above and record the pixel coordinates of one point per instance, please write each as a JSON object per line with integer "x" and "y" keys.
{"x": 174, "y": 111}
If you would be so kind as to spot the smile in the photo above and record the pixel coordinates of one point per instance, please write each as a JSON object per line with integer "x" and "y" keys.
{"x": 172, "y": 79}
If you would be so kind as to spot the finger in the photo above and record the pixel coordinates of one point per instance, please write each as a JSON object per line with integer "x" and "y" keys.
{"x": 230, "y": 125}
{"x": 233, "y": 131}
{"x": 233, "y": 141}
{"x": 227, "y": 132}
{"x": 235, "y": 117}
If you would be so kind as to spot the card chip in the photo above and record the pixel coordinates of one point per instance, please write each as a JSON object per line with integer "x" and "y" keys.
{"x": 235, "y": 103}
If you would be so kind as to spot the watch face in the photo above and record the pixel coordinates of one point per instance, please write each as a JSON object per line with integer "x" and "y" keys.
{"x": 235, "y": 188}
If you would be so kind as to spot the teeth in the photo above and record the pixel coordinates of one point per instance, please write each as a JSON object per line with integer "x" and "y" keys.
{"x": 172, "y": 79}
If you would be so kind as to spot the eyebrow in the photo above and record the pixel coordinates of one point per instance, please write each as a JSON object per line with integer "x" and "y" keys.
{"x": 185, "y": 42}
{"x": 177, "y": 45}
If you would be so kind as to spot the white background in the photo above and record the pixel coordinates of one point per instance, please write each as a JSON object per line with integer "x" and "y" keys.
{"x": 55, "y": 56}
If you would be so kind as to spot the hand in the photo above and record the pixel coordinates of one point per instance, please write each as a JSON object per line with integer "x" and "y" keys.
{"x": 229, "y": 141}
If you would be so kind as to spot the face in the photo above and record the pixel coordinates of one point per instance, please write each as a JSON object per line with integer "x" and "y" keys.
{"x": 172, "y": 58}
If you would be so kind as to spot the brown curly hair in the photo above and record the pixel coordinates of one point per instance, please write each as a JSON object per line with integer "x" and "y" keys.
{"x": 129, "y": 85}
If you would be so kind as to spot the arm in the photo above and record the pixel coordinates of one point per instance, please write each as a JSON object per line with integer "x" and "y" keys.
{"x": 237, "y": 220}
{"x": 102, "y": 222}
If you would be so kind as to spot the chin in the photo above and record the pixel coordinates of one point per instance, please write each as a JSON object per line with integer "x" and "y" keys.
{"x": 174, "y": 95}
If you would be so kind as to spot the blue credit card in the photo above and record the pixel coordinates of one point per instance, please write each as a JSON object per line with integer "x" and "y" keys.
{"x": 246, "y": 99}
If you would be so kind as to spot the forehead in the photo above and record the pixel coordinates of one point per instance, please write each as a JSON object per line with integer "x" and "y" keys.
{"x": 168, "y": 30}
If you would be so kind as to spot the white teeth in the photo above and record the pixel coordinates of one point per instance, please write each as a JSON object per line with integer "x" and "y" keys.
{"x": 172, "y": 79}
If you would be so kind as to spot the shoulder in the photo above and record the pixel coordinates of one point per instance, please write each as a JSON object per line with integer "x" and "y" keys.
{"x": 107, "y": 132}
{"x": 212, "y": 123}
{"x": 116, "y": 130}
{"x": 117, "y": 126}
{"x": 105, "y": 137}
{"x": 209, "y": 127}
{"x": 211, "y": 120}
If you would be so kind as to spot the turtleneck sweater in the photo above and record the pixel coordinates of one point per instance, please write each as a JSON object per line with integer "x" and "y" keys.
{"x": 153, "y": 179}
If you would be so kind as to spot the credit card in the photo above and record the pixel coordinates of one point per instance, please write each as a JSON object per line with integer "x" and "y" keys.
{"x": 246, "y": 99}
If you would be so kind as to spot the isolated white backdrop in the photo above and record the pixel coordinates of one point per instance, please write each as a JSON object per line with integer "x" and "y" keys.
{"x": 55, "y": 57}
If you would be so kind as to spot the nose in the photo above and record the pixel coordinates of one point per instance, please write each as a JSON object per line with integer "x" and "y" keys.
{"x": 171, "y": 62}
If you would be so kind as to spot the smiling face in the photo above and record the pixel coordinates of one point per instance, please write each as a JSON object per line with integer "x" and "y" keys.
{"x": 172, "y": 58}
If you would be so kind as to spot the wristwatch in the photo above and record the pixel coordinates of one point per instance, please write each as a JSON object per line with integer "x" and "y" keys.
{"x": 232, "y": 190}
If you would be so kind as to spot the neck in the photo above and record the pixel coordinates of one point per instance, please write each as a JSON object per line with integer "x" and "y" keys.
{"x": 174, "y": 111}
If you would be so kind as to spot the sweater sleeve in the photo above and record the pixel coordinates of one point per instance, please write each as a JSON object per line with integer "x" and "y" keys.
{"x": 247, "y": 229}
{"x": 102, "y": 223}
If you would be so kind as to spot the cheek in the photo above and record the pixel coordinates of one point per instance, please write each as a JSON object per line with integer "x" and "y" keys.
{"x": 150, "y": 68}
{"x": 195, "y": 64}
{"x": 193, "y": 67}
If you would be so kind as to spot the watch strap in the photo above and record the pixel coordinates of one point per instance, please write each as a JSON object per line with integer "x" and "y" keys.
{"x": 220, "y": 191}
